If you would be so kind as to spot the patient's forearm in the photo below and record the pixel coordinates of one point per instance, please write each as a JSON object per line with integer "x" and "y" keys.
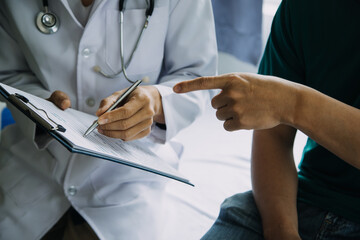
{"x": 274, "y": 180}
{"x": 330, "y": 123}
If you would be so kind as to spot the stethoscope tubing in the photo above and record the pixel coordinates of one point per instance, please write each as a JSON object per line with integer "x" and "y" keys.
{"x": 48, "y": 23}
{"x": 124, "y": 65}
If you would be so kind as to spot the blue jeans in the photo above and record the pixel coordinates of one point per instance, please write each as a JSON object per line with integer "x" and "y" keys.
{"x": 239, "y": 218}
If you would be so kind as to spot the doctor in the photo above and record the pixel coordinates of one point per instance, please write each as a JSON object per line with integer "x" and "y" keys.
{"x": 42, "y": 185}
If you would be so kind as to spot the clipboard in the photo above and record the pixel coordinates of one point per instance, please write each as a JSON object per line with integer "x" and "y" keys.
{"x": 21, "y": 102}
{"x": 46, "y": 115}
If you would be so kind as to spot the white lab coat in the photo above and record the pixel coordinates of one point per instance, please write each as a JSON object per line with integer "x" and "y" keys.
{"x": 38, "y": 183}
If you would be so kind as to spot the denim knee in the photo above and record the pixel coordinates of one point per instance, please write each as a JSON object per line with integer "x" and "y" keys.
{"x": 238, "y": 219}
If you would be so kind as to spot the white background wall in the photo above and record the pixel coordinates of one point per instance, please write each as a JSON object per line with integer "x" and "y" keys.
{"x": 228, "y": 63}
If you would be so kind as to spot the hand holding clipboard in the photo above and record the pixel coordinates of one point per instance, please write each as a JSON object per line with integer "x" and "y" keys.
{"x": 67, "y": 127}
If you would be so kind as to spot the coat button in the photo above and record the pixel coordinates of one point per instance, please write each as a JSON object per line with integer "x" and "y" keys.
{"x": 72, "y": 190}
{"x": 86, "y": 52}
{"x": 90, "y": 102}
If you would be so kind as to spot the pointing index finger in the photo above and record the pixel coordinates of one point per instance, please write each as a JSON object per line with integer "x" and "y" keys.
{"x": 202, "y": 83}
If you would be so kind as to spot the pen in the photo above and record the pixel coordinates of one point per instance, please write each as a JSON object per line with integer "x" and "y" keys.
{"x": 120, "y": 99}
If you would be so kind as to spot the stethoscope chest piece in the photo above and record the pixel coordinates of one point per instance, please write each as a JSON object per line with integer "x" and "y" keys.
{"x": 47, "y": 22}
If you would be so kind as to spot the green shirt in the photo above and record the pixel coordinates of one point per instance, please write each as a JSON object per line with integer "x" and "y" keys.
{"x": 317, "y": 43}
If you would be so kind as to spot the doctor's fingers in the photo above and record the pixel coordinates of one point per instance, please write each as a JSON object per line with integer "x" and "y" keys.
{"x": 141, "y": 134}
{"x": 126, "y": 111}
{"x": 127, "y": 123}
{"x": 140, "y": 130}
{"x": 106, "y": 103}
{"x": 60, "y": 99}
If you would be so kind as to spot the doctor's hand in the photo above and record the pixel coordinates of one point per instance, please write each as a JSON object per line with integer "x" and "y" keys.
{"x": 133, "y": 120}
{"x": 248, "y": 101}
{"x": 60, "y": 99}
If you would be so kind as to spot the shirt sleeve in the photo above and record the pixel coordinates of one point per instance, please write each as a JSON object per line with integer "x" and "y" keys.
{"x": 190, "y": 52}
{"x": 283, "y": 55}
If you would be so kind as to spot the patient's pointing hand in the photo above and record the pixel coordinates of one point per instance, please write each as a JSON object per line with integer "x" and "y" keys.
{"x": 60, "y": 99}
{"x": 248, "y": 101}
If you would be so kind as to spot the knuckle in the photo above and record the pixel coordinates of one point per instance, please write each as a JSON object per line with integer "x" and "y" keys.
{"x": 149, "y": 111}
{"x": 234, "y": 76}
{"x": 146, "y": 97}
{"x": 140, "y": 95}
{"x": 149, "y": 121}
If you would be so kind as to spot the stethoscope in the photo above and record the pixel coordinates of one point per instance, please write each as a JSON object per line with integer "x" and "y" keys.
{"x": 48, "y": 23}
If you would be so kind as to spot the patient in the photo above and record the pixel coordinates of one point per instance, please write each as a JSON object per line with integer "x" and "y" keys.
{"x": 314, "y": 45}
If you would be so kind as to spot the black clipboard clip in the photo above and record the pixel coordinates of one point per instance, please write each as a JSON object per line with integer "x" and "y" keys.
{"x": 23, "y": 101}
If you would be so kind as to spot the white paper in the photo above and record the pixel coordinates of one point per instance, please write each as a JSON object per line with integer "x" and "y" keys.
{"x": 136, "y": 153}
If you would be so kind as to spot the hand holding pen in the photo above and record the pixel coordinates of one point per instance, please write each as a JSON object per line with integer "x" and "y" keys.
{"x": 133, "y": 120}
{"x": 120, "y": 99}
